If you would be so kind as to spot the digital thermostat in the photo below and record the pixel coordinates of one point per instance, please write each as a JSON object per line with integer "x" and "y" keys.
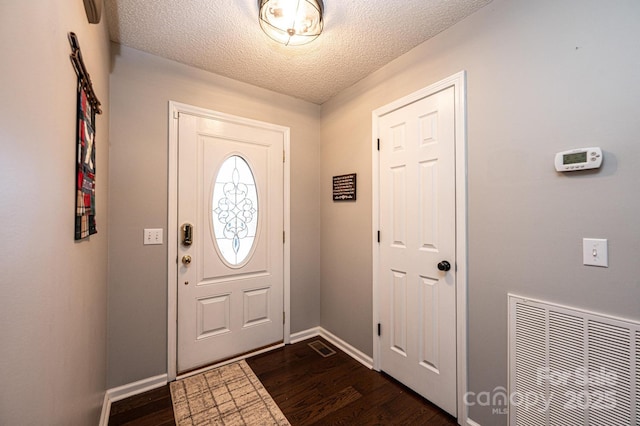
{"x": 579, "y": 159}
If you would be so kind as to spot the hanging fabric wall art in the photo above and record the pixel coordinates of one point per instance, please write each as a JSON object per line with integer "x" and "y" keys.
{"x": 88, "y": 107}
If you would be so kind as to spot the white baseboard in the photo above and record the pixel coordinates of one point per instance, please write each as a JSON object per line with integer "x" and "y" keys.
{"x": 106, "y": 410}
{"x": 359, "y": 356}
{"x": 125, "y": 391}
{"x": 304, "y": 335}
{"x": 472, "y": 423}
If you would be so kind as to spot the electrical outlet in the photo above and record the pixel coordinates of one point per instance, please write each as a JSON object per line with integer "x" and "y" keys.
{"x": 594, "y": 252}
{"x": 153, "y": 236}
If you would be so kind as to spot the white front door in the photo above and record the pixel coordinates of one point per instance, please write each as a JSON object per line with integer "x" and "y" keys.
{"x": 230, "y": 241}
{"x": 417, "y": 300}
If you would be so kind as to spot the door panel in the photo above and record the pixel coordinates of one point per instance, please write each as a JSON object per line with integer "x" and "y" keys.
{"x": 399, "y": 206}
{"x": 429, "y": 323}
{"x": 399, "y": 313}
{"x": 230, "y": 188}
{"x": 428, "y": 207}
{"x": 212, "y": 316}
{"x": 417, "y": 223}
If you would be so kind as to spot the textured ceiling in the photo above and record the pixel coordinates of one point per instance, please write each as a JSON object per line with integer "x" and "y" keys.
{"x": 224, "y": 37}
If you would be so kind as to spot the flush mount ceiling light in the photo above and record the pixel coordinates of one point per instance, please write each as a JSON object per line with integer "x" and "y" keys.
{"x": 291, "y": 22}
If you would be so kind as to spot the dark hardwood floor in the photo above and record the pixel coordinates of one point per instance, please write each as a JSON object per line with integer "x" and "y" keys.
{"x": 310, "y": 390}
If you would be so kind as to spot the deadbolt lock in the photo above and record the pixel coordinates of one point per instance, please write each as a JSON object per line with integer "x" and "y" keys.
{"x": 187, "y": 234}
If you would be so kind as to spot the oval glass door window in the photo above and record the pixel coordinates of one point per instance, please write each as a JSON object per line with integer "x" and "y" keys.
{"x": 235, "y": 210}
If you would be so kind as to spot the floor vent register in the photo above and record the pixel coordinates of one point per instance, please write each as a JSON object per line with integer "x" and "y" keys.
{"x": 321, "y": 348}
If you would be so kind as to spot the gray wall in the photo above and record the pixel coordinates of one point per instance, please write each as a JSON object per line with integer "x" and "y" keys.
{"x": 141, "y": 86}
{"x": 543, "y": 76}
{"x": 53, "y": 290}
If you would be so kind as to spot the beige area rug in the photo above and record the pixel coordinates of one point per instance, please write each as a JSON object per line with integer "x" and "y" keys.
{"x": 227, "y": 395}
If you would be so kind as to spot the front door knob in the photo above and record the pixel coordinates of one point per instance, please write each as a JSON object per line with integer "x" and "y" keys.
{"x": 186, "y": 260}
{"x": 444, "y": 266}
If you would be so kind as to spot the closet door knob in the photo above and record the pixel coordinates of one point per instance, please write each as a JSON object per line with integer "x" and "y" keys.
{"x": 444, "y": 266}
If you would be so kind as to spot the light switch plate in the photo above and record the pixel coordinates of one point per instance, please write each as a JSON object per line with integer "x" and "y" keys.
{"x": 153, "y": 236}
{"x": 594, "y": 252}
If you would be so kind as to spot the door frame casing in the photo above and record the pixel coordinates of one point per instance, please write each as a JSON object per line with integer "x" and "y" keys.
{"x": 175, "y": 108}
{"x": 458, "y": 82}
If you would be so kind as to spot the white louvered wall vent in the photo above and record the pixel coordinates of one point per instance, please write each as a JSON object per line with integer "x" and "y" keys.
{"x": 571, "y": 367}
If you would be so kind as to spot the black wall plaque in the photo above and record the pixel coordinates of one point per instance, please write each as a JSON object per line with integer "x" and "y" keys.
{"x": 344, "y": 187}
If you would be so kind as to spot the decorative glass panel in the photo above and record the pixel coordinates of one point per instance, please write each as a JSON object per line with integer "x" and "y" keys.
{"x": 235, "y": 210}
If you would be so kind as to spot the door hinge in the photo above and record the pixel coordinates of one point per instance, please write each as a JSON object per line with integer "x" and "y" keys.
{"x": 176, "y": 115}
{"x": 284, "y": 157}
{"x": 283, "y": 317}
{"x": 378, "y": 144}
{"x": 379, "y": 329}
{"x": 378, "y": 236}
{"x": 283, "y": 237}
